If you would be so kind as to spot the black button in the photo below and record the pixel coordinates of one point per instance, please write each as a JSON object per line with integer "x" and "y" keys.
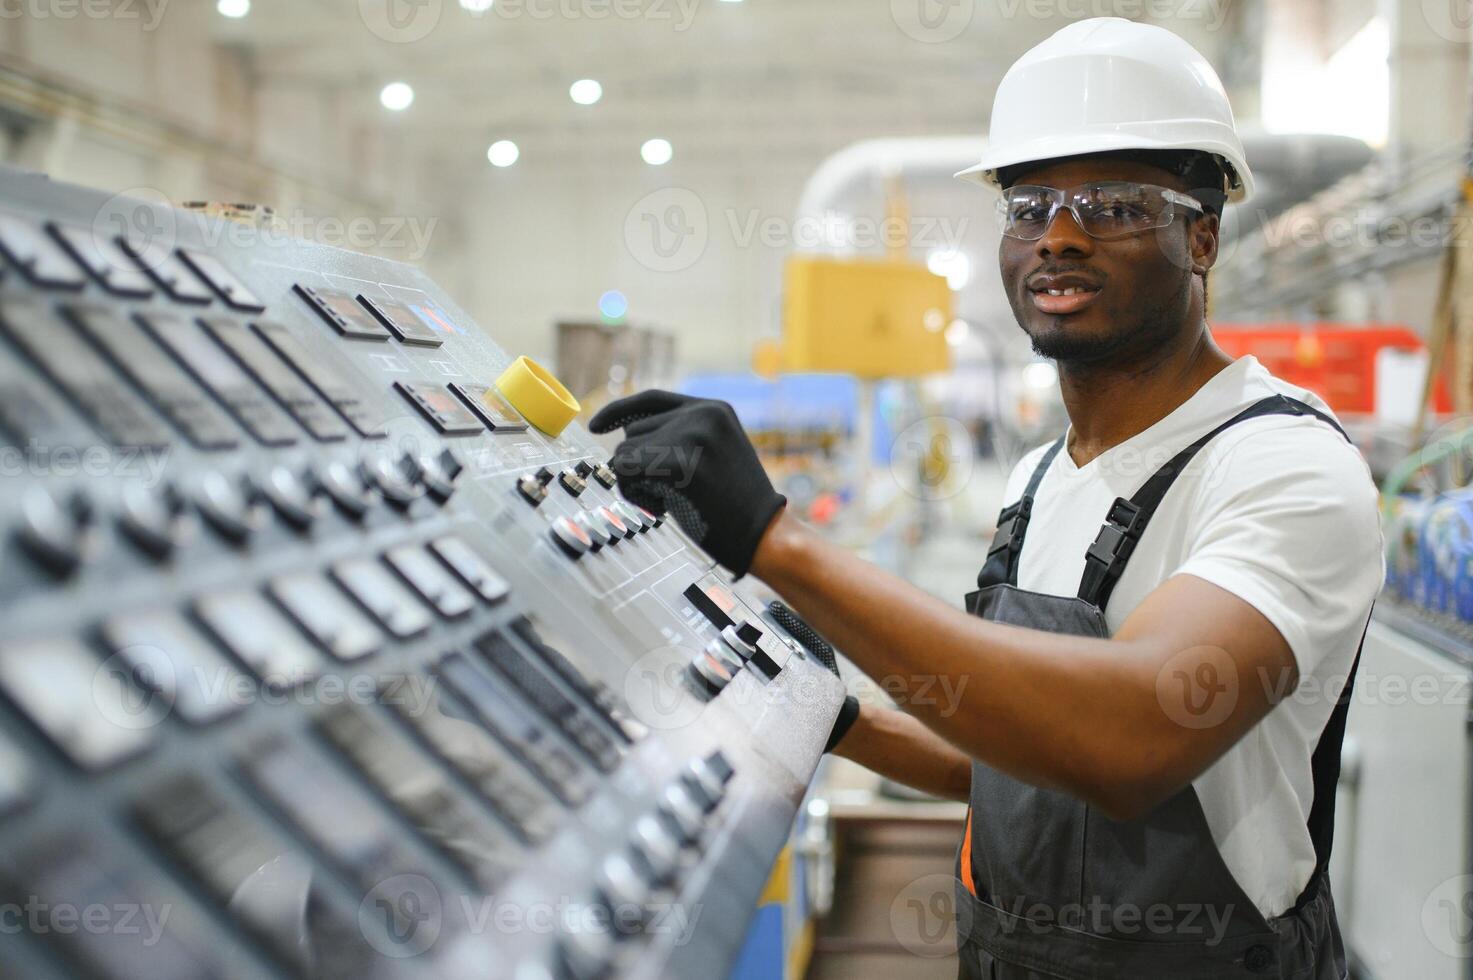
{"x": 37, "y": 257}
{"x": 443, "y": 410}
{"x": 222, "y": 281}
{"x": 107, "y": 263}
{"x": 434, "y": 584}
{"x": 1258, "y": 958}
{"x": 342, "y": 313}
{"x": 403, "y": 321}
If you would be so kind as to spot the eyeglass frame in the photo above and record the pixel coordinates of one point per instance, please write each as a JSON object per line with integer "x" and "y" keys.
{"x": 1062, "y": 199}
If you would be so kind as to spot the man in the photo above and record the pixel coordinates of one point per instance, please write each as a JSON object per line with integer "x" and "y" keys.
{"x": 1153, "y": 669}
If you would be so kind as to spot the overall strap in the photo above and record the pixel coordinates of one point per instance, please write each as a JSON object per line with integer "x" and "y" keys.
{"x": 1324, "y": 765}
{"x": 1012, "y": 524}
{"x": 1127, "y": 519}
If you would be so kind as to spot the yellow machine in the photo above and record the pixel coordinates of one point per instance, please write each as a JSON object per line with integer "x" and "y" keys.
{"x": 871, "y": 318}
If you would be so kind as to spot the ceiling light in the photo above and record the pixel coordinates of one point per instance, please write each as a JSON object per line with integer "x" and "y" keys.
{"x": 656, "y": 152}
{"x": 234, "y": 9}
{"x": 953, "y": 265}
{"x": 397, "y": 96}
{"x": 585, "y": 91}
{"x": 476, "y": 6}
{"x": 503, "y": 153}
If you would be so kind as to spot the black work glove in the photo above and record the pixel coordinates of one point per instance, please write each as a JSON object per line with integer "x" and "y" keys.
{"x": 689, "y": 457}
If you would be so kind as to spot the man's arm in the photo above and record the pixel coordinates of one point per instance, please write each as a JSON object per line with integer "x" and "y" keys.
{"x": 900, "y": 747}
{"x": 1109, "y": 721}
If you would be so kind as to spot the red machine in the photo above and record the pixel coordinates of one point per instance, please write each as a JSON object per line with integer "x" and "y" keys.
{"x": 1336, "y": 361}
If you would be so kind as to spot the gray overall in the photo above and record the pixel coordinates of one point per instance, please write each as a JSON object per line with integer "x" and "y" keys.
{"x": 1049, "y": 887}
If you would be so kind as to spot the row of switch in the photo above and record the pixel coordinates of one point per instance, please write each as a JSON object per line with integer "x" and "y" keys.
{"x": 92, "y": 716}
{"x": 628, "y": 880}
{"x": 574, "y": 479}
{"x": 61, "y": 533}
{"x": 604, "y": 524}
{"x": 121, "y": 266}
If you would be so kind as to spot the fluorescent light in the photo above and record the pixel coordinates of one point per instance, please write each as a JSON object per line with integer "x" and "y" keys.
{"x": 397, "y": 96}
{"x": 234, "y": 9}
{"x": 477, "y": 6}
{"x": 954, "y": 265}
{"x": 503, "y": 153}
{"x": 585, "y": 91}
{"x": 656, "y": 152}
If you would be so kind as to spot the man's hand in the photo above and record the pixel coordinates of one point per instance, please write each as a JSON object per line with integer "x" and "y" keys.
{"x": 689, "y": 457}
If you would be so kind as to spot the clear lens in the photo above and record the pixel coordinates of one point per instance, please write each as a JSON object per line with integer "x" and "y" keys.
{"x": 1113, "y": 209}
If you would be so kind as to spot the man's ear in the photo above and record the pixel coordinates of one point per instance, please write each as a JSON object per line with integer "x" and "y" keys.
{"x": 1202, "y": 236}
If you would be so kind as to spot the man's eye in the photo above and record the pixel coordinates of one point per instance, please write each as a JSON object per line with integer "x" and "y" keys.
{"x": 1029, "y": 212}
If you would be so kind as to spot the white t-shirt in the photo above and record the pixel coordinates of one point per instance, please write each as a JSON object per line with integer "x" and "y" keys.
{"x": 1280, "y": 511}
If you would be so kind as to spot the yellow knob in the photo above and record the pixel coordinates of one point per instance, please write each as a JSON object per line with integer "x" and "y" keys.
{"x": 539, "y": 396}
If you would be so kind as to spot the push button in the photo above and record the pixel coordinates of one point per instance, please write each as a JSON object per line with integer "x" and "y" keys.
{"x": 90, "y": 713}
{"x": 473, "y": 570}
{"x": 572, "y": 539}
{"x": 621, "y": 884}
{"x": 604, "y": 475}
{"x": 532, "y": 490}
{"x": 705, "y": 786}
{"x": 438, "y": 483}
{"x": 725, "y": 656}
{"x": 434, "y": 584}
{"x": 682, "y": 813}
{"x": 389, "y": 481}
{"x": 156, "y": 521}
{"x": 344, "y": 488}
{"x": 656, "y": 848}
{"x": 632, "y": 516}
{"x": 383, "y": 595}
{"x": 167, "y": 655}
{"x": 710, "y": 673}
{"x": 225, "y": 507}
{"x": 597, "y": 527}
{"x": 259, "y": 635}
{"x": 325, "y": 614}
{"x": 288, "y": 495}
{"x": 571, "y": 482}
{"x": 59, "y": 535}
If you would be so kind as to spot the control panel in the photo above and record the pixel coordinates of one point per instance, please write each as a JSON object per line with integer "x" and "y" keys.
{"x": 328, "y": 653}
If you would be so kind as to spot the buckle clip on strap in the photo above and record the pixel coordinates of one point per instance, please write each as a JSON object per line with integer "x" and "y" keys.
{"x": 1105, "y": 560}
{"x": 1011, "y": 531}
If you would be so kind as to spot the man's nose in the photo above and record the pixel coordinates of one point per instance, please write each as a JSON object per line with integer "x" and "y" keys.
{"x": 1064, "y": 236}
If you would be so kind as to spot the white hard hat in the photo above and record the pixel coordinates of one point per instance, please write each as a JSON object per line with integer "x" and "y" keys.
{"x": 1109, "y": 84}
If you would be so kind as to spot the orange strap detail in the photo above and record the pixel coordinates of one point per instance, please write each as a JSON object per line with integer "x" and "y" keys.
{"x": 967, "y": 857}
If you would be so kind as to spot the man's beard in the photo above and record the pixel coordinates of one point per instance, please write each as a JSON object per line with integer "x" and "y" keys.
{"x": 1124, "y": 343}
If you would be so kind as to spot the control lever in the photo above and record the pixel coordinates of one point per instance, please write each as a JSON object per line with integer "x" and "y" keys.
{"x": 806, "y": 635}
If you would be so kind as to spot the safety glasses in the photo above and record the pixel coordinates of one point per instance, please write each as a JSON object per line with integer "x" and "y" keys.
{"x": 1104, "y": 209}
